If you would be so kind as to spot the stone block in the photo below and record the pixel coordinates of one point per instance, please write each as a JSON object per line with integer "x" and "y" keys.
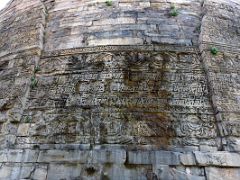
{"x": 3, "y": 156}
{"x": 205, "y": 148}
{"x": 213, "y": 173}
{"x": 64, "y": 156}
{"x": 26, "y": 171}
{"x": 139, "y": 157}
{"x": 10, "y": 171}
{"x": 115, "y": 41}
{"x": 120, "y": 20}
{"x": 153, "y": 157}
{"x": 126, "y": 172}
{"x": 162, "y": 171}
{"x": 144, "y": 4}
{"x": 232, "y": 144}
{"x": 18, "y": 156}
{"x": 187, "y": 159}
{"x": 109, "y": 156}
{"x": 40, "y": 172}
{"x": 14, "y": 155}
{"x": 165, "y": 157}
{"x": 165, "y": 172}
{"x": 30, "y": 155}
{"x": 64, "y": 171}
{"x": 224, "y": 159}
{"x": 23, "y": 129}
{"x": 171, "y": 40}
{"x": 79, "y": 156}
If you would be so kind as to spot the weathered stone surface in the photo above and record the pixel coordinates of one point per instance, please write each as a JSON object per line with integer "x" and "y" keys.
{"x": 98, "y": 171}
{"x": 9, "y": 171}
{"x": 18, "y": 156}
{"x": 23, "y": 129}
{"x": 153, "y": 157}
{"x": 187, "y": 159}
{"x": 40, "y": 172}
{"x": 165, "y": 172}
{"x": 218, "y": 159}
{"x": 140, "y": 89}
{"x": 222, "y": 173}
{"x": 77, "y": 156}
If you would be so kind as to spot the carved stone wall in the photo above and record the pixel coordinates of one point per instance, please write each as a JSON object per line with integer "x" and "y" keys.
{"x": 120, "y": 90}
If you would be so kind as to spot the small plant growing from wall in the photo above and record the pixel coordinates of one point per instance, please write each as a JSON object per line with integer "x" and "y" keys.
{"x": 34, "y": 82}
{"x": 36, "y": 69}
{"x": 109, "y": 2}
{"x": 173, "y": 11}
{"x": 28, "y": 119}
{"x": 198, "y": 29}
{"x": 214, "y": 51}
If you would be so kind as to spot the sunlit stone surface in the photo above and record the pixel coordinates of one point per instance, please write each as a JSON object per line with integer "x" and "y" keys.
{"x": 140, "y": 89}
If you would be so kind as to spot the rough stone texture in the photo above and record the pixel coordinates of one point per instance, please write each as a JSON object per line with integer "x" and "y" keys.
{"x": 121, "y": 91}
{"x": 222, "y": 173}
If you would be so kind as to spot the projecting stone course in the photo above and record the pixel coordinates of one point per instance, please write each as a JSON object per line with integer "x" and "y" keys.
{"x": 140, "y": 89}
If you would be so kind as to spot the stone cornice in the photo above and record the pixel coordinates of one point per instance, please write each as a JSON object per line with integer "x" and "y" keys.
{"x": 130, "y": 48}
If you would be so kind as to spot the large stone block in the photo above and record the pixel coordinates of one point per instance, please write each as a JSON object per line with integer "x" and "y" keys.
{"x": 10, "y": 171}
{"x": 64, "y": 171}
{"x": 79, "y": 156}
{"x": 165, "y": 172}
{"x": 153, "y": 157}
{"x": 213, "y": 173}
{"x": 115, "y": 41}
{"x": 18, "y": 156}
{"x": 224, "y": 159}
{"x": 109, "y": 156}
{"x": 23, "y": 129}
{"x": 187, "y": 159}
{"x": 63, "y": 156}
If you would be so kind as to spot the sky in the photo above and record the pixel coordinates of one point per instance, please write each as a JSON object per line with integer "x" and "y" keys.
{"x": 3, "y": 3}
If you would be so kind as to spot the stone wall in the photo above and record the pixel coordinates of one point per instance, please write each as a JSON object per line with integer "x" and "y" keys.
{"x": 125, "y": 90}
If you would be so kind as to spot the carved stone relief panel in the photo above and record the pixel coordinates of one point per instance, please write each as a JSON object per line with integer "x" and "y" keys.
{"x": 122, "y": 98}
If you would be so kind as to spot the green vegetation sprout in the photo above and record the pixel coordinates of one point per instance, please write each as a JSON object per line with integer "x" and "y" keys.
{"x": 214, "y": 51}
{"x": 34, "y": 82}
{"x": 36, "y": 69}
{"x": 28, "y": 119}
{"x": 109, "y": 2}
{"x": 173, "y": 11}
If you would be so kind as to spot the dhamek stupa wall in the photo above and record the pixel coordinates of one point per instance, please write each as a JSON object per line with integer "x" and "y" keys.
{"x": 120, "y": 90}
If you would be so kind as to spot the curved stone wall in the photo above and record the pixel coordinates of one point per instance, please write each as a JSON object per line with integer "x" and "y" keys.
{"x": 119, "y": 90}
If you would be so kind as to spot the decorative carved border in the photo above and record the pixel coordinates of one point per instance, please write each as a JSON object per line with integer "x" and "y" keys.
{"x": 111, "y": 48}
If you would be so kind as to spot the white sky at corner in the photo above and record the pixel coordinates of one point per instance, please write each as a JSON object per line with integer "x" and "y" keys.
{"x": 3, "y": 3}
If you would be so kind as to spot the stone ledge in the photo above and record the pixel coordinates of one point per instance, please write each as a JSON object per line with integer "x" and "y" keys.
{"x": 121, "y": 48}
{"x": 70, "y": 156}
{"x": 121, "y": 156}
